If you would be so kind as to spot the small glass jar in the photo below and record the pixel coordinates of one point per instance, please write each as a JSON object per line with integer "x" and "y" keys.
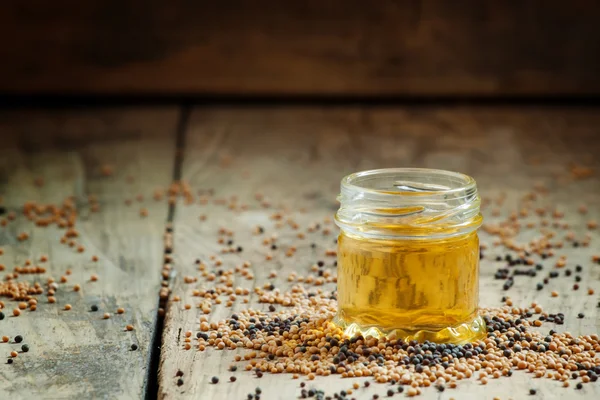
{"x": 408, "y": 255}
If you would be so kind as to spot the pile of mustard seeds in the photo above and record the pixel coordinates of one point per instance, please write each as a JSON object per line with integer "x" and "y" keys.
{"x": 293, "y": 333}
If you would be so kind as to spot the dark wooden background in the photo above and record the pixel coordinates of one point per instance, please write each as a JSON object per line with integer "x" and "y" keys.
{"x": 317, "y": 48}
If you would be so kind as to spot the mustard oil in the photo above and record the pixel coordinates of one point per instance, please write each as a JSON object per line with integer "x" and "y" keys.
{"x": 408, "y": 256}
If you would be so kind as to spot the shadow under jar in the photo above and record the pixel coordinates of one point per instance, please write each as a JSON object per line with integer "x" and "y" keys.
{"x": 408, "y": 255}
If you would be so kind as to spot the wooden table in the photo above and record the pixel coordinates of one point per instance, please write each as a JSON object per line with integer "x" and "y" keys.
{"x": 288, "y": 156}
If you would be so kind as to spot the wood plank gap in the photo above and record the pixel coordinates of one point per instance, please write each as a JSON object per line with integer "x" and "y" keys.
{"x": 180, "y": 132}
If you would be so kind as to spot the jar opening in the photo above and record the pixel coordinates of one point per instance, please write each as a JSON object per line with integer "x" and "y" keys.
{"x": 411, "y": 202}
{"x": 408, "y": 180}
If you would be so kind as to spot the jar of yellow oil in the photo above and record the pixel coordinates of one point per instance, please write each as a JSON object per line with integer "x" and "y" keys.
{"x": 408, "y": 255}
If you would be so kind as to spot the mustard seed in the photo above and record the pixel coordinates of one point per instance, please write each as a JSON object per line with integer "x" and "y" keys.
{"x": 214, "y": 380}
{"x": 25, "y": 348}
{"x": 18, "y": 339}
{"x": 134, "y": 347}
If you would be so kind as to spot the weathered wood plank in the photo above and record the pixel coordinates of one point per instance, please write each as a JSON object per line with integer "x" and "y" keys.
{"x": 419, "y": 47}
{"x": 295, "y": 157}
{"x": 77, "y": 353}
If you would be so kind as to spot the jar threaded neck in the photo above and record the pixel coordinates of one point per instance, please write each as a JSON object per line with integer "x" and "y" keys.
{"x": 408, "y": 202}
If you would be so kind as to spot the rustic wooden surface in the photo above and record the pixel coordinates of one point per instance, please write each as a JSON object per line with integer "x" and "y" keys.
{"x": 297, "y": 156}
{"x": 420, "y": 47}
{"x": 294, "y": 156}
{"x": 76, "y": 353}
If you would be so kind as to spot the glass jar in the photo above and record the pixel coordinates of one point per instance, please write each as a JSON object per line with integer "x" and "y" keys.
{"x": 408, "y": 255}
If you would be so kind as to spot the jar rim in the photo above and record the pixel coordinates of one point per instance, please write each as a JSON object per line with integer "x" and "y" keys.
{"x": 351, "y": 181}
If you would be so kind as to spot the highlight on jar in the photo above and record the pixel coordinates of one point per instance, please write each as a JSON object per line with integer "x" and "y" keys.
{"x": 408, "y": 255}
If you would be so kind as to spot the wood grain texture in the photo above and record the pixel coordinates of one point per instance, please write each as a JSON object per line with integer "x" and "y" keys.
{"x": 296, "y": 157}
{"x": 76, "y": 353}
{"x": 243, "y": 47}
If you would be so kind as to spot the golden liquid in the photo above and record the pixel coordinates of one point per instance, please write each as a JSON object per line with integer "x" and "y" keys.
{"x": 412, "y": 289}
